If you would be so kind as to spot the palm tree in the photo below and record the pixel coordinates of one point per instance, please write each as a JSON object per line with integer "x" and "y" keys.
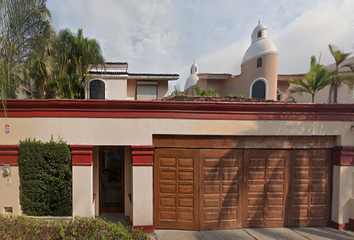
{"x": 339, "y": 57}
{"x": 83, "y": 55}
{"x": 317, "y": 78}
{"x": 23, "y": 23}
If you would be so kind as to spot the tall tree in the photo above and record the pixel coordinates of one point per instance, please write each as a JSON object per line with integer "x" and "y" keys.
{"x": 22, "y": 24}
{"x": 339, "y": 57}
{"x": 83, "y": 55}
{"x": 317, "y": 78}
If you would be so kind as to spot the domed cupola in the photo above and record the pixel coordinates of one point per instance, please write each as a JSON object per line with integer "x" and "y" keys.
{"x": 193, "y": 78}
{"x": 260, "y": 45}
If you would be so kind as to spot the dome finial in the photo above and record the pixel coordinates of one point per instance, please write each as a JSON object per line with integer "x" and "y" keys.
{"x": 259, "y": 21}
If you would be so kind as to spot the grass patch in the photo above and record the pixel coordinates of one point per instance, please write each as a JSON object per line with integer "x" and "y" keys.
{"x": 21, "y": 227}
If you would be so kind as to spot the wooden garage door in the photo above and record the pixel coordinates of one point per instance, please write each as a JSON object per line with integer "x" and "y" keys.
{"x": 224, "y": 188}
{"x": 220, "y": 189}
{"x": 311, "y": 188}
{"x": 175, "y": 184}
{"x": 265, "y": 188}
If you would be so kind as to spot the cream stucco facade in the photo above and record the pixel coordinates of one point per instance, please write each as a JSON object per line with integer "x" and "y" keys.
{"x": 138, "y": 180}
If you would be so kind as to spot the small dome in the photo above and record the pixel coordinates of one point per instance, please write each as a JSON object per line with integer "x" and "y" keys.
{"x": 260, "y": 44}
{"x": 261, "y": 47}
{"x": 191, "y": 81}
{"x": 193, "y": 78}
{"x": 258, "y": 28}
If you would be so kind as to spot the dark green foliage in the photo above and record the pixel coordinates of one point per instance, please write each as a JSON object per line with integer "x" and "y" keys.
{"x": 20, "y": 227}
{"x": 45, "y": 178}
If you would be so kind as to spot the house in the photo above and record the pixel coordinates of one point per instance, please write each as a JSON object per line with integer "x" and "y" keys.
{"x": 259, "y": 77}
{"x": 192, "y": 163}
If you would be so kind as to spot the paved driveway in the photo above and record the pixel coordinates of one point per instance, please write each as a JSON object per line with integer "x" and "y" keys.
{"x": 256, "y": 233}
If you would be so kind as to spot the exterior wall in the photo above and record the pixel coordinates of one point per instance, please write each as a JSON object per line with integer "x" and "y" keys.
{"x": 284, "y": 87}
{"x": 250, "y": 72}
{"x": 116, "y": 89}
{"x": 343, "y": 194}
{"x": 131, "y": 89}
{"x": 96, "y": 180}
{"x": 216, "y": 84}
{"x": 162, "y": 89}
{"x": 9, "y": 194}
{"x": 139, "y": 131}
{"x": 82, "y": 191}
{"x": 345, "y": 95}
{"x": 142, "y": 196}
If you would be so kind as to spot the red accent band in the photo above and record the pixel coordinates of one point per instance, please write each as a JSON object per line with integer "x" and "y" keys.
{"x": 81, "y": 155}
{"x": 179, "y": 110}
{"x": 343, "y": 156}
{"x": 9, "y": 155}
{"x": 142, "y": 155}
{"x": 147, "y": 229}
{"x": 351, "y": 223}
{"x": 340, "y": 226}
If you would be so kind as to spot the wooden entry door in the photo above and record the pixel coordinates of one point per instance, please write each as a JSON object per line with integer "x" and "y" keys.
{"x": 266, "y": 188}
{"x": 111, "y": 179}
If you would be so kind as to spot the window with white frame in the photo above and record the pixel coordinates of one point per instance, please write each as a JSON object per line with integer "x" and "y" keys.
{"x": 146, "y": 90}
{"x": 97, "y": 89}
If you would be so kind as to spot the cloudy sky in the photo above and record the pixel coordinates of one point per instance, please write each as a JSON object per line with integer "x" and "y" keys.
{"x": 166, "y": 36}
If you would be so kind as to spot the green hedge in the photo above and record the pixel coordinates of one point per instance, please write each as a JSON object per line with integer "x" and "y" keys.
{"x": 20, "y": 227}
{"x": 45, "y": 178}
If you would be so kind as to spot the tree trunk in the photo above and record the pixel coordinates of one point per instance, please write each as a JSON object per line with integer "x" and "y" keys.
{"x": 330, "y": 94}
{"x": 335, "y": 93}
{"x": 313, "y": 98}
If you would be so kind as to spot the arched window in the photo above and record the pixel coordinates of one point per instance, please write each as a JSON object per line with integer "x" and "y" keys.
{"x": 97, "y": 90}
{"x": 258, "y": 89}
{"x": 259, "y": 62}
{"x": 259, "y": 34}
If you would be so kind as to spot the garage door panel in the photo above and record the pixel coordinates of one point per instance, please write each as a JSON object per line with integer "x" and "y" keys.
{"x": 311, "y": 191}
{"x": 266, "y": 188}
{"x": 219, "y": 204}
{"x": 175, "y": 202}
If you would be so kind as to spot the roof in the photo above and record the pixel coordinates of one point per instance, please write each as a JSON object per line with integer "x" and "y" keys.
{"x": 191, "y": 98}
{"x": 61, "y": 108}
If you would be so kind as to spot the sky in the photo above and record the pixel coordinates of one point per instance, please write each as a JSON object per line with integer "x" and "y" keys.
{"x": 166, "y": 36}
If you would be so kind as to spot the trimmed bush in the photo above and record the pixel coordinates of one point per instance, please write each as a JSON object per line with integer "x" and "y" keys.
{"x": 45, "y": 178}
{"x": 20, "y": 227}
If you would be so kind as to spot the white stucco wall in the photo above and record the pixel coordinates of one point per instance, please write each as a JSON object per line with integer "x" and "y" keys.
{"x": 143, "y": 196}
{"x": 104, "y": 132}
{"x": 343, "y": 194}
{"x": 82, "y": 191}
{"x": 9, "y": 193}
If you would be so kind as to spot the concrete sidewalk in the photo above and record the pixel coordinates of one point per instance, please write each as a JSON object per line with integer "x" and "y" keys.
{"x": 302, "y": 233}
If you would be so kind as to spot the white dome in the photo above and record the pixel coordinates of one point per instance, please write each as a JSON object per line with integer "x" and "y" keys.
{"x": 259, "y": 27}
{"x": 261, "y": 47}
{"x": 191, "y": 81}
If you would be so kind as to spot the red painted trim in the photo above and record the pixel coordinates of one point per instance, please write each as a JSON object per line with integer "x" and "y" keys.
{"x": 340, "y": 226}
{"x": 142, "y": 155}
{"x": 343, "y": 156}
{"x": 81, "y": 155}
{"x": 351, "y": 223}
{"x": 9, "y": 154}
{"x": 183, "y": 110}
{"x": 147, "y": 229}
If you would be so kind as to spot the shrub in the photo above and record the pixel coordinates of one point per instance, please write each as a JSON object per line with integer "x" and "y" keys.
{"x": 45, "y": 178}
{"x": 20, "y": 227}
